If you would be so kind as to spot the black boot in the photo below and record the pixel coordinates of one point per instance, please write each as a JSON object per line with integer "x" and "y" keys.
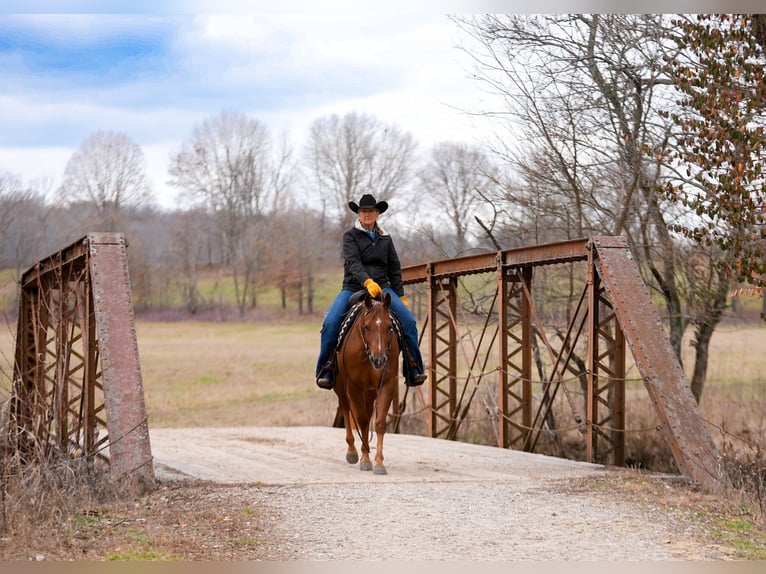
{"x": 415, "y": 378}
{"x": 326, "y": 378}
{"x": 413, "y": 374}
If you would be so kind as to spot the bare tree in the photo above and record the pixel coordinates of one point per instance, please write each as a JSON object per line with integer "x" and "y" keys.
{"x": 187, "y": 246}
{"x": 23, "y": 234}
{"x": 456, "y": 181}
{"x": 583, "y": 95}
{"x": 108, "y": 173}
{"x": 23, "y": 222}
{"x": 231, "y": 166}
{"x": 11, "y": 198}
{"x": 358, "y": 154}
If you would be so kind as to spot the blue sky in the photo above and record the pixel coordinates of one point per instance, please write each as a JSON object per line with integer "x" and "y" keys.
{"x": 155, "y": 76}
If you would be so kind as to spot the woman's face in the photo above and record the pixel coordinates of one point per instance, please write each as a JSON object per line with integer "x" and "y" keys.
{"x": 368, "y": 216}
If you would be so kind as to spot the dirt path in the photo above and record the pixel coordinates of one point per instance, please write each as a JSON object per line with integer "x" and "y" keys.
{"x": 441, "y": 500}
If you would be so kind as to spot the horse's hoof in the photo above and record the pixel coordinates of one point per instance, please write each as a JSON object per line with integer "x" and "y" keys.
{"x": 365, "y": 465}
{"x": 380, "y": 469}
{"x": 352, "y": 457}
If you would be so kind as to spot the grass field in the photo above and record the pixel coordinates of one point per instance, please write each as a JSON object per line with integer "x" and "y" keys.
{"x": 232, "y": 374}
{"x": 252, "y": 373}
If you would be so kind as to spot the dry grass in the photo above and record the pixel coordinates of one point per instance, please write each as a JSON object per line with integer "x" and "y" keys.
{"x": 232, "y": 374}
{"x": 50, "y": 513}
{"x": 262, "y": 374}
{"x": 737, "y": 357}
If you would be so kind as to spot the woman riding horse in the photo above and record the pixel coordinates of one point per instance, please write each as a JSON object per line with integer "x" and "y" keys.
{"x": 371, "y": 263}
{"x": 367, "y": 377}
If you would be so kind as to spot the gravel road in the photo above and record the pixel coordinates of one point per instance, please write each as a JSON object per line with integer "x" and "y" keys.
{"x": 441, "y": 500}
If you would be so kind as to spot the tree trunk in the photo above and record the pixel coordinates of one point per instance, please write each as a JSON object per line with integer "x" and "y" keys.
{"x": 702, "y": 336}
{"x": 300, "y": 298}
{"x": 238, "y": 298}
{"x": 666, "y": 278}
{"x": 310, "y": 294}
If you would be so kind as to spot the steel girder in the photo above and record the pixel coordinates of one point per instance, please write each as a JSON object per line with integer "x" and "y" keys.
{"x": 77, "y": 388}
{"x": 514, "y": 357}
{"x": 442, "y": 306}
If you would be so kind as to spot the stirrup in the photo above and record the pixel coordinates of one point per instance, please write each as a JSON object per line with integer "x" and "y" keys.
{"x": 325, "y": 381}
{"x": 416, "y": 381}
{"x": 326, "y": 378}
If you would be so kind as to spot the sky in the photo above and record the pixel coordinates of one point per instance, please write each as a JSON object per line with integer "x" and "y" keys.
{"x": 154, "y": 70}
{"x": 155, "y": 76}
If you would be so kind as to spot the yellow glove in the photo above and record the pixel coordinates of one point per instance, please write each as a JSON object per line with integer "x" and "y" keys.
{"x": 373, "y": 288}
{"x": 404, "y": 300}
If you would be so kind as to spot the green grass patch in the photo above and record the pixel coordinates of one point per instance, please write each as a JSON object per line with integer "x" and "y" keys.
{"x": 248, "y": 542}
{"x": 140, "y": 556}
{"x": 205, "y": 380}
{"x": 743, "y": 535}
{"x": 140, "y": 537}
{"x": 86, "y": 520}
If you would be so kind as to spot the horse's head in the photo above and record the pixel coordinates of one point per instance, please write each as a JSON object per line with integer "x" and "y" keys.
{"x": 377, "y": 329}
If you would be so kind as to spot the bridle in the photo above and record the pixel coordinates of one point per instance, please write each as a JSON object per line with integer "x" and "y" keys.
{"x": 377, "y": 362}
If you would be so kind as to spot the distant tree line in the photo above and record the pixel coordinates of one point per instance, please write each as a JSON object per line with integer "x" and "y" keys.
{"x": 646, "y": 126}
{"x": 248, "y": 203}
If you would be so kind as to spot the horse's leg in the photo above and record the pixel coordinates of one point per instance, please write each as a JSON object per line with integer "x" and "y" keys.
{"x": 379, "y": 468}
{"x": 365, "y": 463}
{"x": 352, "y": 456}
{"x": 381, "y": 420}
{"x": 364, "y": 432}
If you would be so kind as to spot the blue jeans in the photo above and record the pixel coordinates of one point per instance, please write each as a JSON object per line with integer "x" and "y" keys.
{"x": 334, "y": 317}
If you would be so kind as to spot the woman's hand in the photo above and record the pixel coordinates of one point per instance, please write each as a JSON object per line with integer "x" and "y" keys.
{"x": 373, "y": 288}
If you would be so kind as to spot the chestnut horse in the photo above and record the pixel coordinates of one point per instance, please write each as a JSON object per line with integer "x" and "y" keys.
{"x": 368, "y": 364}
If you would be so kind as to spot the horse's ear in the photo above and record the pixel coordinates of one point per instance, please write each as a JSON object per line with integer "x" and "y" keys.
{"x": 367, "y": 300}
{"x": 387, "y": 300}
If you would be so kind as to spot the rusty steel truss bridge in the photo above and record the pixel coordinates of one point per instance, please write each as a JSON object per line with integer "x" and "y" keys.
{"x": 77, "y": 388}
{"x": 609, "y": 311}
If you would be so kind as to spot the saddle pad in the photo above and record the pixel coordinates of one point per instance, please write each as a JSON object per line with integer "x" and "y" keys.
{"x": 351, "y": 316}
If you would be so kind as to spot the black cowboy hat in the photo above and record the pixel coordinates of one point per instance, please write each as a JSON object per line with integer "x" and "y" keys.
{"x": 368, "y": 202}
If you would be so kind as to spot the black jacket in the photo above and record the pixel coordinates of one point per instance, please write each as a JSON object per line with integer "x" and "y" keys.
{"x": 365, "y": 259}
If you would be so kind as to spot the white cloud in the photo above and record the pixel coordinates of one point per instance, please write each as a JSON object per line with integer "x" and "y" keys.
{"x": 284, "y": 70}
{"x": 157, "y": 157}
{"x": 36, "y": 165}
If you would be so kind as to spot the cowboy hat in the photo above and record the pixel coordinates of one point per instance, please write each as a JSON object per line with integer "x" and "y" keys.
{"x": 368, "y": 202}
